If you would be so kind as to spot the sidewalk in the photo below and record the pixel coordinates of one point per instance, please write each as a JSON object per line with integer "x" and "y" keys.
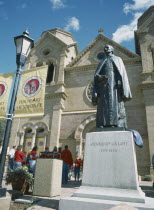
{"x": 53, "y": 203}
{"x": 36, "y": 202}
{"x": 44, "y": 203}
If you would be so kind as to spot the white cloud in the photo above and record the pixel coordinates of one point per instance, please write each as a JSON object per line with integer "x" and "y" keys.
{"x": 137, "y": 5}
{"x": 73, "y": 24}
{"x": 57, "y": 4}
{"x": 126, "y": 32}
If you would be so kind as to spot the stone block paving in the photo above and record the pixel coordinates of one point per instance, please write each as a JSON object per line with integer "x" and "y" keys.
{"x": 30, "y": 202}
{"x": 53, "y": 203}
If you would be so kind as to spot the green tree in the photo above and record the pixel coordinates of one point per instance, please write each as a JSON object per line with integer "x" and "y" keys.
{"x": 2, "y": 130}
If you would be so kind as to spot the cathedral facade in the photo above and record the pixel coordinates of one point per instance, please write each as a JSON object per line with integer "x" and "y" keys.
{"x": 69, "y": 113}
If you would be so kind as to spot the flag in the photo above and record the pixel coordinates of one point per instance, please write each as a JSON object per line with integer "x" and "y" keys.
{"x": 5, "y": 86}
{"x": 31, "y": 95}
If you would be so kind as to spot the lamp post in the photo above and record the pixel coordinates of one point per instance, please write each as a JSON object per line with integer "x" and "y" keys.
{"x": 23, "y": 46}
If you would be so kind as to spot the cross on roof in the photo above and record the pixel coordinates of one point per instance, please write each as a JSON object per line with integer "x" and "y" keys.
{"x": 100, "y": 30}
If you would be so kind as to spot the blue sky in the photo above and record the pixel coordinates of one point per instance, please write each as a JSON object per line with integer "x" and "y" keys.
{"x": 82, "y": 18}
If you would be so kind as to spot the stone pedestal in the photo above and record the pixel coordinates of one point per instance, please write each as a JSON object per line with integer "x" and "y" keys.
{"x": 5, "y": 202}
{"x": 109, "y": 173}
{"x": 48, "y": 176}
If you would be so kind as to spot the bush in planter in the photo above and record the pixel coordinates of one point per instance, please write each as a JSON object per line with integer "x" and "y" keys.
{"x": 20, "y": 179}
{"x": 148, "y": 178}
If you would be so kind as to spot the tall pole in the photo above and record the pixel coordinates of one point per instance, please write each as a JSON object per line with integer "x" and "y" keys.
{"x": 8, "y": 127}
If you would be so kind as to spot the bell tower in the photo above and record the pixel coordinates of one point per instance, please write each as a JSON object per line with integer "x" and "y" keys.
{"x": 144, "y": 37}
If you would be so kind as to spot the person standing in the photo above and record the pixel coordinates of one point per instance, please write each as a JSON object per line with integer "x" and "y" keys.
{"x": 55, "y": 153}
{"x": 18, "y": 158}
{"x": 33, "y": 157}
{"x": 66, "y": 156}
{"x": 45, "y": 153}
{"x": 11, "y": 157}
{"x": 77, "y": 165}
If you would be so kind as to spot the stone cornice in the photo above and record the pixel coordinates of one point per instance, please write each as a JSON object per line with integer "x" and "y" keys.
{"x": 146, "y": 16}
{"x": 133, "y": 61}
{"x": 94, "y": 66}
{"x": 81, "y": 68}
{"x": 56, "y": 84}
{"x": 147, "y": 85}
{"x": 56, "y": 95}
{"x": 148, "y": 73}
{"x": 79, "y": 112}
{"x": 147, "y": 77}
{"x": 58, "y": 30}
{"x": 141, "y": 34}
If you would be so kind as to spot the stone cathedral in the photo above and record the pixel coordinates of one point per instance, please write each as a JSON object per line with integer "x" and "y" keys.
{"x": 69, "y": 114}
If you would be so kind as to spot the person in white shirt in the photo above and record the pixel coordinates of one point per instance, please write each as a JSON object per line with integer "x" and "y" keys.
{"x": 11, "y": 157}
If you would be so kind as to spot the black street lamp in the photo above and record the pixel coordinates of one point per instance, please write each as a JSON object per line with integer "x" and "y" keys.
{"x": 23, "y": 46}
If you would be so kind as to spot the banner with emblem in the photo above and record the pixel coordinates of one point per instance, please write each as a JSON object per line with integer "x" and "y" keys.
{"x": 28, "y": 145}
{"x": 5, "y": 86}
{"x": 40, "y": 144}
{"x": 31, "y": 95}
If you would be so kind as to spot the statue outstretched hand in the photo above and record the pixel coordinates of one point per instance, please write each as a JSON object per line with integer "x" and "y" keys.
{"x": 100, "y": 78}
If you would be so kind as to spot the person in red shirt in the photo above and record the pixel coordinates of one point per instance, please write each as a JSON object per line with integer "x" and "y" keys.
{"x": 77, "y": 165}
{"x": 54, "y": 154}
{"x": 33, "y": 157}
{"x": 45, "y": 153}
{"x": 18, "y": 158}
{"x": 66, "y": 156}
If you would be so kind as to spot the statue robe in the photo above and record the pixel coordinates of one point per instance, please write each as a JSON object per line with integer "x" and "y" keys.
{"x": 111, "y": 87}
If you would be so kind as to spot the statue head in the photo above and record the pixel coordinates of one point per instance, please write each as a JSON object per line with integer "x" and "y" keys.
{"x": 108, "y": 49}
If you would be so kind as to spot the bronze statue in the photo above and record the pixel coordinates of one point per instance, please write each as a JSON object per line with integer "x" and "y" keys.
{"x": 111, "y": 90}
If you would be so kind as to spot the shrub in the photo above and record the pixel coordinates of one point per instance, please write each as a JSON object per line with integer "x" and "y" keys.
{"x": 19, "y": 175}
{"x": 148, "y": 178}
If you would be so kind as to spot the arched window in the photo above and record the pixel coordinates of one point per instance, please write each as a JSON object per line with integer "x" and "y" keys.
{"x": 28, "y": 130}
{"x": 50, "y": 73}
{"x": 40, "y": 130}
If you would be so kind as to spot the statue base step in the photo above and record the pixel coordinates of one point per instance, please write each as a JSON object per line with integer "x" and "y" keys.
{"x": 126, "y": 195}
{"x": 77, "y": 203}
{"x": 110, "y": 129}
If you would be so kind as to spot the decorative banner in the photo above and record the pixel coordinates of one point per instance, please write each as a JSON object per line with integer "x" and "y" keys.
{"x": 30, "y": 100}
{"x": 5, "y": 86}
{"x": 28, "y": 145}
{"x": 40, "y": 144}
